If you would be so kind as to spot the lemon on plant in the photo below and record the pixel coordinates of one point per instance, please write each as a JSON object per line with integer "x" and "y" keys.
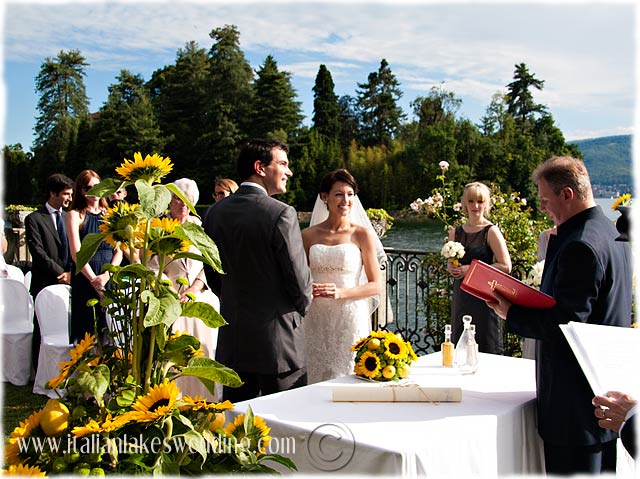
{"x": 97, "y": 471}
{"x": 71, "y": 457}
{"x": 389, "y": 371}
{"x": 404, "y": 371}
{"x": 55, "y": 418}
{"x": 59, "y": 465}
{"x": 218, "y": 422}
{"x": 373, "y": 344}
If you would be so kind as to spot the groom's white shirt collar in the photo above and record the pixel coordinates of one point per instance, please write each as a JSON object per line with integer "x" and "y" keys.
{"x": 251, "y": 183}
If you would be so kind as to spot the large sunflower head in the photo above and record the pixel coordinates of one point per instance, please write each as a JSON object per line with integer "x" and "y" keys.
{"x": 151, "y": 168}
{"x": 13, "y": 451}
{"x": 257, "y": 435}
{"x": 395, "y": 348}
{"x": 368, "y": 365}
{"x": 622, "y": 200}
{"x": 119, "y": 224}
{"x": 162, "y": 239}
{"x": 159, "y": 402}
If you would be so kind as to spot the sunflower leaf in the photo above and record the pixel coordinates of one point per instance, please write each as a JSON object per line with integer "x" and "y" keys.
{"x": 196, "y": 442}
{"x": 165, "y": 309}
{"x": 153, "y": 199}
{"x": 88, "y": 248}
{"x": 105, "y": 188}
{"x": 203, "y": 242}
{"x": 206, "y": 368}
{"x": 203, "y": 311}
{"x": 178, "y": 192}
{"x": 96, "y": 382}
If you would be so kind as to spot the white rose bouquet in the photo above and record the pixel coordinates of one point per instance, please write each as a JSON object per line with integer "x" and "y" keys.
{"x": 453, "y": 250}
{"x": 534, "y": 277}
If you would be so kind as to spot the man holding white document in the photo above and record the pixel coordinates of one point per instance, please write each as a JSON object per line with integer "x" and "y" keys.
{"x": 589, "y": 275}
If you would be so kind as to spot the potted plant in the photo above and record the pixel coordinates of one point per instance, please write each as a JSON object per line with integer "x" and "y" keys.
{"x": 16, "y": 214}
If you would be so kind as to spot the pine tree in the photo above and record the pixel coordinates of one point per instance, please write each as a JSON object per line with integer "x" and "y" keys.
{"x": 326, "y": 109}
{"x": 377, "y": 100}
{"x": 275, "y": 109}
{"x": 520, "y": 99}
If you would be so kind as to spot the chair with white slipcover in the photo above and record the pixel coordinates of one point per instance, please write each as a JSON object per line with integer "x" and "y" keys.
{"x": 27, "y": 280}
{"x": 17, "y": 331}
{"x": 53, "y": 307}
{"x": 15, "y": 273}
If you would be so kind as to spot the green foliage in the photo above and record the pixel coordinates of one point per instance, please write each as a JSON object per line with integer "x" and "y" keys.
{"x": 326, "y": 110}
{"x": 380, "y": 219}
{"x": 609, "y": 161}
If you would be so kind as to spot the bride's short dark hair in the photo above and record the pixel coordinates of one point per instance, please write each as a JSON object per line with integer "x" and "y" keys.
{"x": 334, "y": 176}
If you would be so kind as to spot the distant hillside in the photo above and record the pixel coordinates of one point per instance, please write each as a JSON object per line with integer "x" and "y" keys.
{"x": 609, "y": 161}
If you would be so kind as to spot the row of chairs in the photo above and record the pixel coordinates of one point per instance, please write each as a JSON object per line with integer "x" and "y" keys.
{"x": 52, "y": 309}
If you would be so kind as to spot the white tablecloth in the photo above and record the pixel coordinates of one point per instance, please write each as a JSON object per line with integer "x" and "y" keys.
{"x": 491, "y": 432}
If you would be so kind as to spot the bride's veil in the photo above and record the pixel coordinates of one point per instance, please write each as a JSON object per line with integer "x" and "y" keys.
{"x": 357, "y": 215}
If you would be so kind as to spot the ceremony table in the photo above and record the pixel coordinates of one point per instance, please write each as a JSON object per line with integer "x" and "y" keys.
{"x": 490, "y": 433}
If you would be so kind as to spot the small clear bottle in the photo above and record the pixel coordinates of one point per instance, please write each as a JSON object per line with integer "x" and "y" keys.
{"x": 460, "y": 354}
{"x": 471, "y": 364}
{"x": 447, "y": 347}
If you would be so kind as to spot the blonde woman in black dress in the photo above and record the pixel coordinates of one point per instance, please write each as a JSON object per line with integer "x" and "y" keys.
{"x": 484, "y": 241}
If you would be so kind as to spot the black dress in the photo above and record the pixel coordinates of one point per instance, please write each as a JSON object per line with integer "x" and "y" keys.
{"x": 488, "y": 324}
{"x": 82, "y": 290}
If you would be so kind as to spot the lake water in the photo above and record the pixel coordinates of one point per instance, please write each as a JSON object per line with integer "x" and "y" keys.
{"x": 428, "y": 236}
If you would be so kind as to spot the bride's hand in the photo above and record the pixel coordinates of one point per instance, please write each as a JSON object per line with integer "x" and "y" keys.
{"x": 325, "y": 290}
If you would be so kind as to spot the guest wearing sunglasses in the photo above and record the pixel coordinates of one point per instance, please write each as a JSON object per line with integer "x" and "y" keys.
{"x": 223, "y": 188}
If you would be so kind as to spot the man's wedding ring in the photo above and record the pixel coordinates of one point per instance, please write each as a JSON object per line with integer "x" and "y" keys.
{"x": 603, "y": 414}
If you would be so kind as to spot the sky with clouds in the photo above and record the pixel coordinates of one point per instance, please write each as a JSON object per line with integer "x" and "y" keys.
{"x": 584, "y": 52}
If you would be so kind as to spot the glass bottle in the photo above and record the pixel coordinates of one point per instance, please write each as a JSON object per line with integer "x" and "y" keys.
{"x": 471, "y": 363}
{"x": 447, "y": 347}
{"x": 460, "y": 354}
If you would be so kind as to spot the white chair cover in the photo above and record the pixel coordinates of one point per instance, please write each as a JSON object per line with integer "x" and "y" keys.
{"x": 53, "y": 305}
{"x": 15, "y": 273}
{"x": 17, "y": 331}
{"x": 27, "y": 280}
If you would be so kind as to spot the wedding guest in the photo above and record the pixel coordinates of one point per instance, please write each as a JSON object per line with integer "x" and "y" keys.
{"x": 85, "y": 217}
{"x": 193, "y": 271}
{"x": 46, "y": 236}
{"x": 590, "y": 276}
{"x": 343, "y": 251}
{"x": 482, "y": 240}
{"x": 617, "y": 411}
{"x": 223, "y": 188}
{"x": 117, "y": 196}
{"x": 266, "y": 288}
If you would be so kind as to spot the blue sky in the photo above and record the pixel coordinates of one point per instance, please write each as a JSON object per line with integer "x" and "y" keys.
{"x": 585, "y": 52}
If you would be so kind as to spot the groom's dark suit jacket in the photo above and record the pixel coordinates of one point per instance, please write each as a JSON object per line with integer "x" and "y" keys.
{"x": 44, "y": 243}
{"x": 589, "y": 275}
{"x": 266, "y": 288}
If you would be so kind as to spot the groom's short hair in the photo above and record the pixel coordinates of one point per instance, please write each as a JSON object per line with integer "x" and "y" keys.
{"x": 256, "y": 150}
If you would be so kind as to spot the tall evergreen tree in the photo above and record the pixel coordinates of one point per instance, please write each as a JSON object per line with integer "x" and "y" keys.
{"x": 326, "y": 109}
{"x": 18, "y": 175}
{"x": 127, "y": 122}
{"x": 349, "y": 118}
{"x": 378, "y": 103}
{"x": 63, "y": 103}
{"x": 231, "y": 94}
{"x": 275, "y": 109}
{"x": 520, "y": 99}
{"x": 181, "y": 100}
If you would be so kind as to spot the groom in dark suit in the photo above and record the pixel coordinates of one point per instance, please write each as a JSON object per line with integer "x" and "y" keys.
{"x": 589, "y": 274}
{"x": 266, "y": 288}
{"x": 47, "y": 242}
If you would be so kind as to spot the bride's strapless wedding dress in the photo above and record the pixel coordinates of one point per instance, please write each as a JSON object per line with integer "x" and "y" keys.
{"x": 333, "y": 325}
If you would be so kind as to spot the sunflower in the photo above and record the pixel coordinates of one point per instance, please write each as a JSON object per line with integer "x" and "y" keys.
{"x": 91, "y": 427}
{"x": 622, "y": 200}
{"x": 150, "y": 169}
{"x": 359, "y": 343}
{"x": 161, "y": 238}
{"x": 378, "y": 334}
{"x": 13, "y": 448}
{"x": 412, "y": 354}
{"x": 395, "y": 348}
{"x": 159, "y": 402}
{"x": 119, "y": 224}
{"x": 23, "y": 470}
{"x": 368, "y": 365}
{"x": 76, "y": 353}
{"x": 258, "y": 435}
{"x": 113, "y": 423}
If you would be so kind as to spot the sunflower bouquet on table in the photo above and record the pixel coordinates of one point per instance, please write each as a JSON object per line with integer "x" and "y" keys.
{"x": 119, "y": 408}
{"x": 383, "y": 356}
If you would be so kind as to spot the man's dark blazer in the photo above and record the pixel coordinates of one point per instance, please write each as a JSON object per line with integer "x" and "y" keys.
{"x": 44, "y": 246}
{"x": 589, "y": 275}
{"x": 628, "y": 436}
{"x": 266, "y": 288}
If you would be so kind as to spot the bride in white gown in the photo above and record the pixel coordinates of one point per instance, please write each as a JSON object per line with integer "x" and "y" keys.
{"x": 344, "y": 256}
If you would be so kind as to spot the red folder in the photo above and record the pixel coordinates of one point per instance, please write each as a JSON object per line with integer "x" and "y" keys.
{"x": 482, "y": 280}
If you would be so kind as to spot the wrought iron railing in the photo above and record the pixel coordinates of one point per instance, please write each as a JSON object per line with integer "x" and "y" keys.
{"x": 417, "y": 301}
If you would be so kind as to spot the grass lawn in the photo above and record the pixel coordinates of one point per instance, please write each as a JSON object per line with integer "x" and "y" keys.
{"x": 18, "y": 402}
